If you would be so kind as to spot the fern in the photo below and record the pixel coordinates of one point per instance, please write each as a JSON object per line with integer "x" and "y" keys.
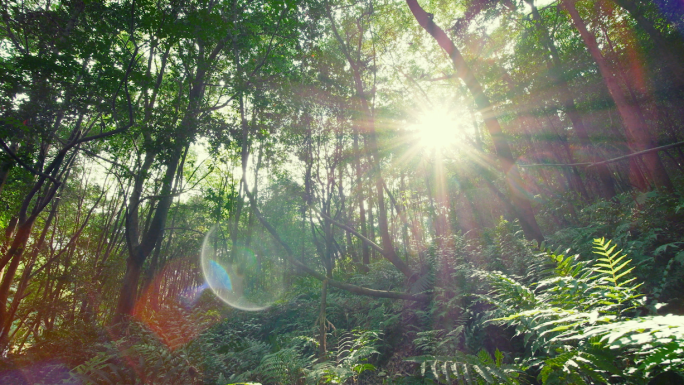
{"x": 654, "y": 342}
{"x": 576, "y": 367}
{"x": 508, "y": 293}
{"x": 580, "y": 327}
{"x": 286, "y": 366}
{"x": 424, "y": 283}
{"x": 354, "y": 349}
{"x": 140, "y": 363}
{"x": 469, "y": 369}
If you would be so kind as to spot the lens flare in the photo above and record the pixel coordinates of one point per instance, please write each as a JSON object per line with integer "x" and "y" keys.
{"x": 239, "y": 277}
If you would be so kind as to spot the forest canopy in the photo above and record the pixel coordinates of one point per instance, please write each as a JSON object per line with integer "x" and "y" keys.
{"x": 323, "y": 191}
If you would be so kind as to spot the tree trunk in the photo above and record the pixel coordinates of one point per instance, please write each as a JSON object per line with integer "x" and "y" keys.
{"x": 140, "y": 250}
{"x": 607, "y": 189}
{"x": 635, "y": 126}
{"x": 359, "y": 188}
{"x": 6, "y": 166}
{"x": 128, "y": 294}
{"x": 322, "y": 325}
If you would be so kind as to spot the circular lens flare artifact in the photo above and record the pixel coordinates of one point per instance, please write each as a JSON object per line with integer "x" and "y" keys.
{"x": 239, "y": 277}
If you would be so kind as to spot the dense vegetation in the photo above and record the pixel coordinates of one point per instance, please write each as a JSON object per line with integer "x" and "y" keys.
{"x": 373, "y": 192}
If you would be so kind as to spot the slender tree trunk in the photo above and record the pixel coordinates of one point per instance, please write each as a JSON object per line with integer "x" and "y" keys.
{"x": 250, "y": 221}
{"x": 322, "y": 319}
{"x": 368, "y": 124}
{"x": 371, "y": 220}
{"x": 15, "y": 252}
{"x": 365, "y": 251}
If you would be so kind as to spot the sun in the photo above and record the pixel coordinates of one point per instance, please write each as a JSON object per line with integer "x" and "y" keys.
{"x": 436, "y": 128}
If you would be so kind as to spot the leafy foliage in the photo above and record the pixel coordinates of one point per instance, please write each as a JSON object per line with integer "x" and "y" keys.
{"x": 583, "y": 324}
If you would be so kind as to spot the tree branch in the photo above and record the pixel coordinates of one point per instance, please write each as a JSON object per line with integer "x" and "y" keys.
{"x": 356, "y": 233}
{"x": 24, "y": 165}
{"x": 340, "y": 285}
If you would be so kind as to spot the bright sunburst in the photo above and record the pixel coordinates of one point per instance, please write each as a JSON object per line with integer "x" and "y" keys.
{"x": 436, "y": 128}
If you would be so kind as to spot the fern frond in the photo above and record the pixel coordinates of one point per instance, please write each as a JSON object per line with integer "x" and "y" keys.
{"x": 352, "y": 353}
{"x": 469, "y": 369}
{"x": 620, "y": 293}
{"x": 575, "y": 367}
{"x": 424, "y": 283}
{"x": 612, "y": 266}
{"x": 508, "y": 293}
{"x": 285, "y": 366}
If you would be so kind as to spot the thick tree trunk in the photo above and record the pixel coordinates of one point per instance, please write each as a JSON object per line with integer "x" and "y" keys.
{"x": 522, "y": 205}
{"x": 140, "y": 250}
{"x": 635, "y": 126}
{"x": 128, "y": 295}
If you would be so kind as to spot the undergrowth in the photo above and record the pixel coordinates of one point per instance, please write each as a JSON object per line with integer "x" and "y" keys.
{"x": 577, "y": 309}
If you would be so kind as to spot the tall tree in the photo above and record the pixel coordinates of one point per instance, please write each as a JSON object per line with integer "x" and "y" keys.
{"x": 636, "y": 129}
{"x": 567, "y": 99}
{"x": 522, "y": 205}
